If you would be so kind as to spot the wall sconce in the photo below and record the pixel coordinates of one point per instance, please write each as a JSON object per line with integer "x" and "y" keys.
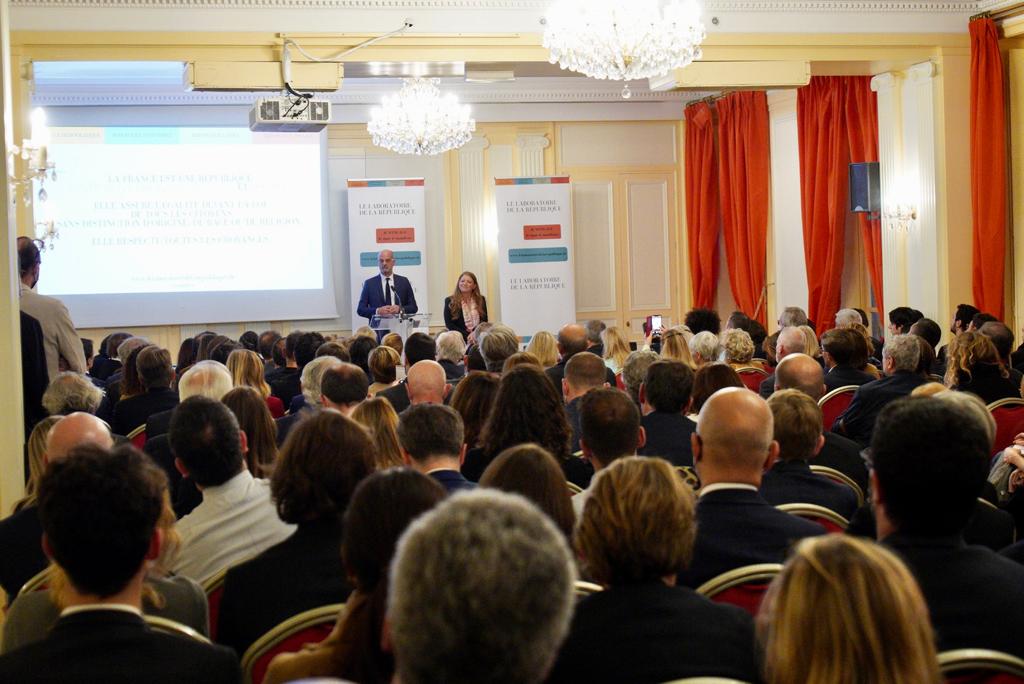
{"x": 37, "y": 168}
{"x": 899, "y": 213}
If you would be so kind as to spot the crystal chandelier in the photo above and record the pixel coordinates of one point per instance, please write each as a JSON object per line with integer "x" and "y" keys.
{"x": 418, "y": 120}
{"x": 623, "y": 40}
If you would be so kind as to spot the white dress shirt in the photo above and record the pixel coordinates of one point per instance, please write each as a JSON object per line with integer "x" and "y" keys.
{"x": 725, "y": 485}
{"x": 236, "y": 521}
{"x": 59, "y": 335}
{"x": 384, "y": 288}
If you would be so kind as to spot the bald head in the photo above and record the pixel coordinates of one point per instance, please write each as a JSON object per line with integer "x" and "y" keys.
{"x": 426, "y": 383}
{"x": 75, "y": 430}
{"x": 735, "y": 437}
{"x": 791, "y": 341}
{"x": 572, "y": 339}
{"x": 801, "y": 372}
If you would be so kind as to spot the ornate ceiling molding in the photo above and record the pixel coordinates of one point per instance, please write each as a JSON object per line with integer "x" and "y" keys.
{"x": 862, "y": 6}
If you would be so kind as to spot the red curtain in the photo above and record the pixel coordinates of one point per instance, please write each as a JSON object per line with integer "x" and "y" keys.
{"x": 862, "y": 130}
{"x": 744, "y": 186}
{"x": 702, "y": 211}
{"x": 824, "y": 159}
{"x": 988, "y": 166}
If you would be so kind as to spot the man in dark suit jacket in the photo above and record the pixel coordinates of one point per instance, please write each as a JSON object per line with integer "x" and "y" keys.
{"x": 99, "y": 511}
{"x": 930, "y": 460}
{"x": 583, "y": 372}
{"x": 418, "y": 347}
{"x": 839, "y": 349}
{"x": 572, "y": 339}
{"x": 665, "y": 398}
{"x": 797, "y": 429}
{"x": 735, "y": 525}
{"x": 387, "y": 293}
{"x": 156, "y": 374}
{"x": 430, "y": 437}
{"x": 899, "y": 363}
{"x": 791, "y": 341}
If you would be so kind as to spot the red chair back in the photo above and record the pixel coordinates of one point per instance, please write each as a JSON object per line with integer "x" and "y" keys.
{"x": 834, "y": 403}
{"x": 752, "y": 377}
{"x": 1009, "y": 417}
{"x": 743, "y": 587}
{"x": 290, "y": 644}
{"x": 985, "y": 678}
{"x": 137, "y": 436}
{"x": 619, "y": 382}
{"x": 213, "y": 600}
{"x": 746, "y": 596}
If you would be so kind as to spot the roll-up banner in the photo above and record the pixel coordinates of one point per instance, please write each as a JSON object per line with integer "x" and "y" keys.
{"x": 535, "y": 253}
{"x": 387, "y": 214}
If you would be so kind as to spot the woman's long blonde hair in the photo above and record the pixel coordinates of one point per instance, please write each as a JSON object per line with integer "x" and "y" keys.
{"x": 247, "y": 371}
{"x": 36, "y": 449}
{"x": 844, "y": 611}
{"x": 967, "y": 350}
{"x": 616, "y": 346}
{"x": 675, "y": 346}
{"x": 544, "y": 346}
{"x": 379, "y": 417}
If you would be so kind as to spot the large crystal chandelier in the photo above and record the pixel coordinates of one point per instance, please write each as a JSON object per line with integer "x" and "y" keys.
{"x": 418, "y": 120}
{"x": 623, "y": 40}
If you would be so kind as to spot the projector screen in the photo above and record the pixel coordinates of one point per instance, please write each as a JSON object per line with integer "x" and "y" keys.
{"x": 164, "y": 225}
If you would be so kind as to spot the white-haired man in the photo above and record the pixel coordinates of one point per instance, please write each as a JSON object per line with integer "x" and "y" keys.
{"x": 791, "y": 341}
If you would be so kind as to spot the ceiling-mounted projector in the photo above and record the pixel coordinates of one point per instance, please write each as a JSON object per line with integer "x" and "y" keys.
{"x": 289, "y": 115}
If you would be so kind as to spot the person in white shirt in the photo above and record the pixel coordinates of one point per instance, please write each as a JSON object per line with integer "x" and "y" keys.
{"x": 609, "y": 429}
{"x": 60, "y": 339}
{"x": 237, "y": 518}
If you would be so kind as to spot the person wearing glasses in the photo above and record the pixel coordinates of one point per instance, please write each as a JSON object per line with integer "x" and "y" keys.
{"x": 387, "y": 293}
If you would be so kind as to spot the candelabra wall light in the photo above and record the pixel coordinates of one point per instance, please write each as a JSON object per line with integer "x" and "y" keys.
{"x": 36, "y": 170}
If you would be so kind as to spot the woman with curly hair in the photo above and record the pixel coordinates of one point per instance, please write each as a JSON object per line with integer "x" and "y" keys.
{"x": 973, "y": 365}
{"x": 739, "y": 349}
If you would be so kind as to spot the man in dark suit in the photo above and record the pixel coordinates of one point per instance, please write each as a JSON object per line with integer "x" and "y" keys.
{"x": 899, "y": 363}
{"x": 791, "y": 341}
{"x": 583, "y": 372}
{"x": 99, "y": 511}
{"x": 929, "y": 463}
{"x": 430, "y": 437}
{"x": 572, "y": 339}
{"x": 418, "y": 347}
{"x": 388, "y": 293}
{"x": 20, "y": 534}
{"x": 665, "y": 398}
{"x": 797, "y": 429}
{"x": 732, "y": 446}
{"x": 839, "y": 349}
{"x": 801, "y": 372}
{"x": 156, "y": 374}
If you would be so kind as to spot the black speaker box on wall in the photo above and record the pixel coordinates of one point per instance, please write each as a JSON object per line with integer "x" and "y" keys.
{"x": 865, "y": 188}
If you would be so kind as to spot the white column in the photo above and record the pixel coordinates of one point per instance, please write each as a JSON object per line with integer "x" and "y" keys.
{"x": 473, "y": 208}
{"x": 531, "y": 154}
{"x": 923, "y": 286}
{"x": 890, "y": 156}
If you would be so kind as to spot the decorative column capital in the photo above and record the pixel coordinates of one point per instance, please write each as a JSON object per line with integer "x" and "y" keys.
{"x": 532, "y": 142}
{"x": 925, "y": 71}
{"x": 478, "y": 143}
{"x": 886, "y": 81}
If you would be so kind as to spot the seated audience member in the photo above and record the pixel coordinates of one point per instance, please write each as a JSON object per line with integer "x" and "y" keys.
{"x": 384, "y": 362}
{"x": 393, "y": 340}
{"x": 791, "y": 340}
{"x": 634, "y": 371}
{"x": 669, "y": 632}
{"x": 221, "y": 349}
{"x": 594, "y": 327}
{"x": 36, "y": 452}
{"x": 708, "y": 380}
{"x": 544, "y": 346}
{"x": 343, "y": 387}
{"x": 419, "y": 347}
{"x": 797, "y": 421}
{"x": 962, "y": 317}
{"x": 107, "y": 362}
{"x": 155, "y": 372}
{"x": 609, "y": 429}
{"x": 704, "y": 348}
{"x": 768, "y": 347}
{"x": 929, "y": 462}
{"x": 701, "y": 320}
{"x": 254, "y": 420}
{"x": 473, "y": 398}
{"x": 526, "y": 409}
{"x": 530, "y": 471}
{"x": 899, "y": 363}
{"x": 616, "y": 348}
{"x": 929, "y": 389}
{"x": 236, "y": 518}
{"x": 265, "y": 346}
{"x": 792, "y": 317}
{"x": 757, "y": 336}
{"x": 305, "y": 351}
{"x": 116, "y": 379}
{"x": 321, "y": 464}
{"x": 450, "y": 352}
{"x": 382, "y": 507}
{"x": 675, "y": 346}
{"x": 973, "y": 365}
{"x": 20, "y": 533}
{"x": 521, "y": 359}
{"x": 811, "y": 338}
{"x": 737, "y": 321}
{"x": 665, "y": 401}
{"x": 71, "y": 392}
{"x": 929, "y": 331}
{"x": 186, "y": 357}
{"x": 479, "y": 544}
{"x": 1002, "y": 338}
{"x": 246, "y": 370}
{"x": 249, "y": 340}
{"x": 980, "y": 319}
{"x": 284, "y": 382}
{"x": 847, "y": 317}
{"x": 801, "y": 372}
{"x": 732, "y": 447}
{"x": 431, "y": 439}
{"x": 379, "y": 417}
{"x": 100, "y": 513}
{"x": 503, "y": 344}
{"x": 311, "y": 377}
{"x": 572, "y": 339}
{"x": 426, "y": 384}
{"x": 204, "y": 379}
{"x": 584, "y": 372}
{"x": 900, "y": 320}
{"x": 845, "y": 609}
{"x": 335, "y": 349}
{"x": 128, "y": 384}
{"x": 32, "y": 615}
{"x": 738, "y": 349}
{"x": 926, "y": 362}
{"x": 839, "y": 350}
{"x": 360, "y": 349}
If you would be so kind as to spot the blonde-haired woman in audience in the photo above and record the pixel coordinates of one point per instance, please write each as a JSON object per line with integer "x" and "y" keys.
{"x": 523, "y": 358}
{"x": 247, "y": 370}
{"x": 36, "y": 448}
{"x": 738, "y": 349}
{"x": 928, "y": 389}
{"x": 379, "y": 417}
{"x": 393, "y": 340}
{"x": 635, "y": 535}
{"x": 31, "y": 615}
{"x": 544, "y": 346}
{"x": 384, "y": 361}
{"x": 844, "y": 611}
{"x": 813, "y": 346}
{"x": 616, "y": 348}
{"x": 675, "y": 346}
{"x": 973, "y": 365}
{"x": 365, "y": 331}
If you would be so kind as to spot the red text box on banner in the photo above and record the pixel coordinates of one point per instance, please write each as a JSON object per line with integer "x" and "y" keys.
{"x": 551, "y": 231}
{"x": 395, "y": 235}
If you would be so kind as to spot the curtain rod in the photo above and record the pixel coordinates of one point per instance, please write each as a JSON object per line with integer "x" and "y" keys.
{"x": 1013, "y": 10}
